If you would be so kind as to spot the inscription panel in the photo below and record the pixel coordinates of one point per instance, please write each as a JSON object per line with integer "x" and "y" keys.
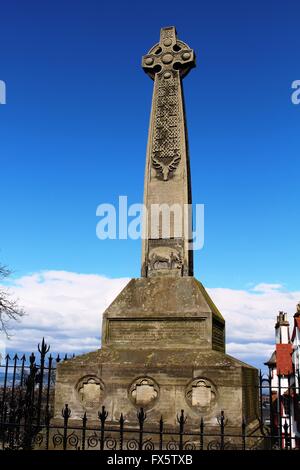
{"x": 144, "y": 330}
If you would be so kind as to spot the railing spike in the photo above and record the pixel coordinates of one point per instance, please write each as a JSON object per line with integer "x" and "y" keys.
{"x": 32, "y": 358}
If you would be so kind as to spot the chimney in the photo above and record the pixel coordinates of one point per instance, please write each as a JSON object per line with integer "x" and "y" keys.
{"x": 282, "y": 329}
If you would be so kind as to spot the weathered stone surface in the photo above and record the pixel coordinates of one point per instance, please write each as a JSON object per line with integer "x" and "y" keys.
{"x": 167, "y": 173}
{"x": 164, "y": 312}
{"x": 170, "y": 378}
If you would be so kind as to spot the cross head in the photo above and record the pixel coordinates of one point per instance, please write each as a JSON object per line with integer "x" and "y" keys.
{"x": 169, "y": 54}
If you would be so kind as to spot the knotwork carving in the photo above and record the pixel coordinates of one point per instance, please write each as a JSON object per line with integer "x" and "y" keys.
{"x": 167, "y": 62}
{"x": 166, "y": 134}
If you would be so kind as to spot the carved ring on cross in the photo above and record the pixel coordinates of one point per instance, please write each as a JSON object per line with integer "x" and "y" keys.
{"x": 168, "y": 55}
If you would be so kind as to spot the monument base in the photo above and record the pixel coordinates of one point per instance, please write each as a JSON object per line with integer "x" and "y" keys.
{"x": 163, "y": 351}
{"x": 162, "y": 382}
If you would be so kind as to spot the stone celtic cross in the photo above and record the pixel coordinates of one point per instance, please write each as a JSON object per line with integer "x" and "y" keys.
{"x": 169, "y": 55}
{"x": 167, "y": 177}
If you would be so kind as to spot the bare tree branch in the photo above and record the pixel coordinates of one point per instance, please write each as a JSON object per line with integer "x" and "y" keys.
{"x": 9, "y": 307}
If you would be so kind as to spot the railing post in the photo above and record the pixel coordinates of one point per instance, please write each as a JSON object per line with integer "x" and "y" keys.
{"x": 7, "y": 359}
{"x": 66, "y": 413}
{"x": 141, "y": 417}
{"x": 102, "y": 416}
{"x": 222, "y": 422}
{"x": 279, "y": 412}
{"x": 23, "y": 359}
{"x": 161, "y": 431}
{"x": 11, "y": 429}
{"x": 295, "y": 395}
{"x": 18, "y": 422}
{"x": 84, "y": 421}
{"x": 181, "y": 420}
{"x": 271, "y": 409}
{"x": 260, "y": 396}
{"x": 47, "y": 423}
{"x": 50, "y": 359}
{"x": 286, "y": 435}
{"x": 201, "y": 433}
{"x": 29, "y": 405}
{"x": 43, "y": 349}
{"x": 3, "y": 425}
{"x": 121, "y": 422}
{"x": 12, "y": 398}
{"x": 290, "y": 398}
{"x": 244, "y": 433}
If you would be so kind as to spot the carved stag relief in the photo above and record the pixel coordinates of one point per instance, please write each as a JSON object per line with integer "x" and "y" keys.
{"x": 164, "y": 258}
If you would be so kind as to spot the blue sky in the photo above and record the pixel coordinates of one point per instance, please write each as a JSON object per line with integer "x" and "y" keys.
{"x": 74, "y": 130}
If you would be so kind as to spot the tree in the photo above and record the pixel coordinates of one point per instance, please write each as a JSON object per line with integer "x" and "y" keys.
{"x": 9, "y": 307}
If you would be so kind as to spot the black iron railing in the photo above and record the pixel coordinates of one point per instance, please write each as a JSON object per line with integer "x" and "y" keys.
{"x": 27, "y": 406}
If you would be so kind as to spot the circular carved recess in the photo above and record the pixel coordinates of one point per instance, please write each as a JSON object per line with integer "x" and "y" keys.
{"x": 90, "y": 390}
{"x": 167, "y": 42}
{"x": 176, "y": 48}
{"x": 143, "y": 392}
{"x": 201, "y": 395}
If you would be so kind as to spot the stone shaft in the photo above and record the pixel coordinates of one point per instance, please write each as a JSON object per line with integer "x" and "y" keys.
{"x": 167, "y": 195}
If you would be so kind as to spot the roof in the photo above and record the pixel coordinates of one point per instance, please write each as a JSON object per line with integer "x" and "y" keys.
{"x": 296, "y": 326}
{"x": 284, "y": 359}
{"x": 272, "y": 360}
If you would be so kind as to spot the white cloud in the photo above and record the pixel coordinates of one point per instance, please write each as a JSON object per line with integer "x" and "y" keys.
{"x": 246, "y": 350}
{"x": 267, "y": 287}
{"x": 67, "y": 309}
{"x": 250, "y": 314}
{"x": 64, "y": 307}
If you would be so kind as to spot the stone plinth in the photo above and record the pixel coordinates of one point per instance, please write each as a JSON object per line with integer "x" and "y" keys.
{"x": 162, "y": 382}
{"x": 164, "y": 313}
{"x": 163, "y": 350}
